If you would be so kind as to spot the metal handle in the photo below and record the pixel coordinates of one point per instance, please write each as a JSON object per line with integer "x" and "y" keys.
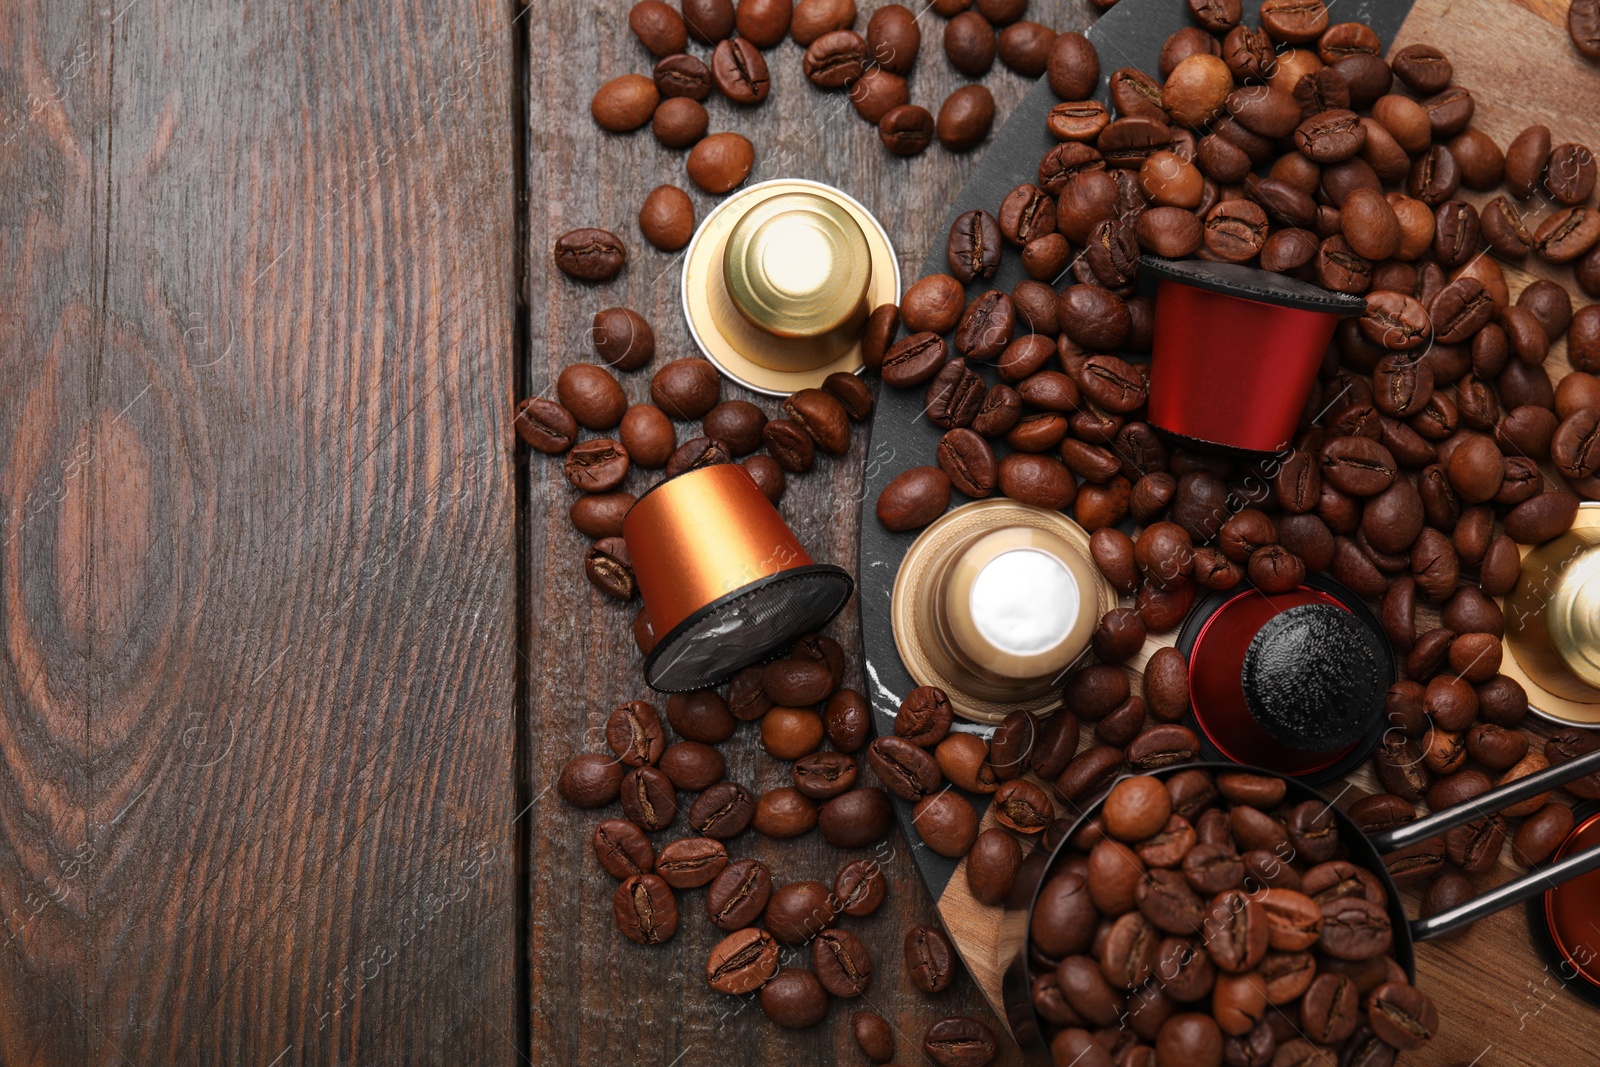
{"x": 1479, "y": 806}
{"x": 1529, "y": 885}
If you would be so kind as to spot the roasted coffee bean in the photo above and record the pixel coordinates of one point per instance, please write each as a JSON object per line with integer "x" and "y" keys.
{"x": 742, "y": 962}
{"x": 1162, "y": 746}
{"x": 1090, "y": 773}
{"x": 697, "y": 453}
{"x": 635, "y": 734}
{"x": 974, "y": 247}
{"x": 648, "y": 799}
{"x": 692, "y": 765}
{"x": 1401, "y": 1015}
{"x": 906, "y": 130}
{"x": 934, "y": 304}
{"x": 680, "y": 122}
{"x": 590, "y": 780}
{"x": 1037, "y": 480}
{"x": 912, "y": 361}
{"x": 722, "y": 811}
{"x": 794, "y": 998}
{"x": 904, "y": 769}
{"x": 546, "y": 426}
{"x": 929, "y": 959}
{"x": 721, "y": 162}
{"x": 842, "y": 963}
{"x": 1080, "y": 120}
{"x": 783, "y": 813}
{"x": 992, "y": 866}
{"x": 1073, "y": 67}
{"x": 856, "y": 819}
{"x": 1541, "y": 518}
{"x": 914, "y": 498}
{"x": 620, "y": 105}
{"x": 924, "y": 717}
{"x": 623, "y": 849}
{"x": 798, "y": 911}
{"x": 986, "y": 327}
{"x": 872, "y": 1031}
{"x": 648, "y": 437}
{"x": 1022, "y": 806}
{"x": 1541, "y": 834}
{"x": 691, "y": 862}
{"x": 959, "y": 1041}
{"x": 645, "y": 909}
{"x": 964, "y": 120}
{"x": 822, "y": 416}
{"x": 739, "y": 894}
{"x": 859, "y": 889}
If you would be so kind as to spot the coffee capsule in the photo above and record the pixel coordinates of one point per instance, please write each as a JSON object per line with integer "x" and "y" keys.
{"x": 1553, "y": 624}
{"x": 1562, "y": 922}
{"x": 725, "y": 581}
{"x": 1236, "y": 352}
{"x": 779, "y": 280}
{"x": 1294, "y": 681}
{"x": 995, "y": 603}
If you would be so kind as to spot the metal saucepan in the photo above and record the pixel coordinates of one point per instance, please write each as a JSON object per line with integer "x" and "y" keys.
{"x": 1365, "y": 851}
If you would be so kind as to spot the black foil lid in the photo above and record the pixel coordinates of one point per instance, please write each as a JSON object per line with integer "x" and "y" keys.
{"x": 1253, "y": 283}
{"x": 1312, "y": 679}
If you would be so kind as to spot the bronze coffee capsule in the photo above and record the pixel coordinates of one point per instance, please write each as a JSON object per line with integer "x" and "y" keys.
{"x": 725, "y": 581}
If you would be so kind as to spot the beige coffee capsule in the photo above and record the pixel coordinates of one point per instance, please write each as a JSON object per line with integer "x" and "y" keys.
{"x": 1553, "y": 624}
{"x": 779, "y": 281}
{"x": 995, "y": 603}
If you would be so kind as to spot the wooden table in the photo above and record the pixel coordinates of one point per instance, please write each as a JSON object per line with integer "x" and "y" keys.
{"x": 295, "y": 639}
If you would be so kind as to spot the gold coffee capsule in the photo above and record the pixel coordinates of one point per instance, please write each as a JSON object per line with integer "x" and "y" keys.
{"x": 779, "y": 281}
{"x": 995, "y": 603}
{"x": 1553, "y": 624}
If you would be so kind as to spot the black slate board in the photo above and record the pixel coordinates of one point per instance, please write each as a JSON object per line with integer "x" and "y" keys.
{"x": 1129, "y": 35}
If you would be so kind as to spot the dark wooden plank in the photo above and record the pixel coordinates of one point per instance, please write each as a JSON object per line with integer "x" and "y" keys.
{"x": 256, "y": 702}
{"x": 593, "y": 991}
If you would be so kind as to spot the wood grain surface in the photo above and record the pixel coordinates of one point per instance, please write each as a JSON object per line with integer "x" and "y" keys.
{"x": 256, "y": 589}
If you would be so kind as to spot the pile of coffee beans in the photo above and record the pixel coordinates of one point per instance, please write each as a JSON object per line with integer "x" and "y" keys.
{"x": 801, "y": 705}
{"x": 1201, "y": 920}
{"x": 874, "y": 68}
{"x": 1434, "y": 442}
{"x": 646, "y": 436}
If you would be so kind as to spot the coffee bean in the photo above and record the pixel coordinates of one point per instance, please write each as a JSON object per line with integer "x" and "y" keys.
{"x": 906, "y": 130}
{"x": 742, "y": 962}
{"x": 691, "y": 862}
{"x": 813, "y": 18}
{"x": 1541, "y": 834}
{"x": 1022, "y": 806}
{"x": 685, "y": 388}
{"x": 924, "y": 717}
{"x": 597, "y": 465}
{"x": 965, "y": 119}
{"x": 682, "y": 76}
{"x": 1235, "y": 231}
{"x": 929, "y": 959}
{"x": 914, "y": 498}
{"x": 739, "y": 894}
{"x": 1162, "y": 746}
{"x": 740, "y": 72}
{"x": 546, "y": 426}
{"x": 721, "y": 162}
{"x": 1073, "y": 67}
{"x": 708, "y": 21}
{"x": 986, "y": 327}
{"x": 842, "y": 963}
{"x": 1583, "y": 26}
{"x": 1541, "y": 518}
{"x": 860, "y": 888}
{"x": 992, "y": 866}
{"x": 968, "y": 461}
{"x": 635, "y": 734}
{"x": 620, "y": 105}
{"x": 1401, "y": 1015}
{"x": 623, "y": 849}
{"x": 764, "y": 23}
{"x": 645, "y": 909}
{"x": 679, "y": 122}
{"x": 696, "y": 453}
{"x": 1196, "y": 89}
{"x": 590, "y": 780}
{"x": 969, "y": 44}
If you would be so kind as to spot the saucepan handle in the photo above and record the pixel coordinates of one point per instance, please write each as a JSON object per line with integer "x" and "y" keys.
{"x": 1529, "y": 885}
{"x": 1479, "y": 806}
